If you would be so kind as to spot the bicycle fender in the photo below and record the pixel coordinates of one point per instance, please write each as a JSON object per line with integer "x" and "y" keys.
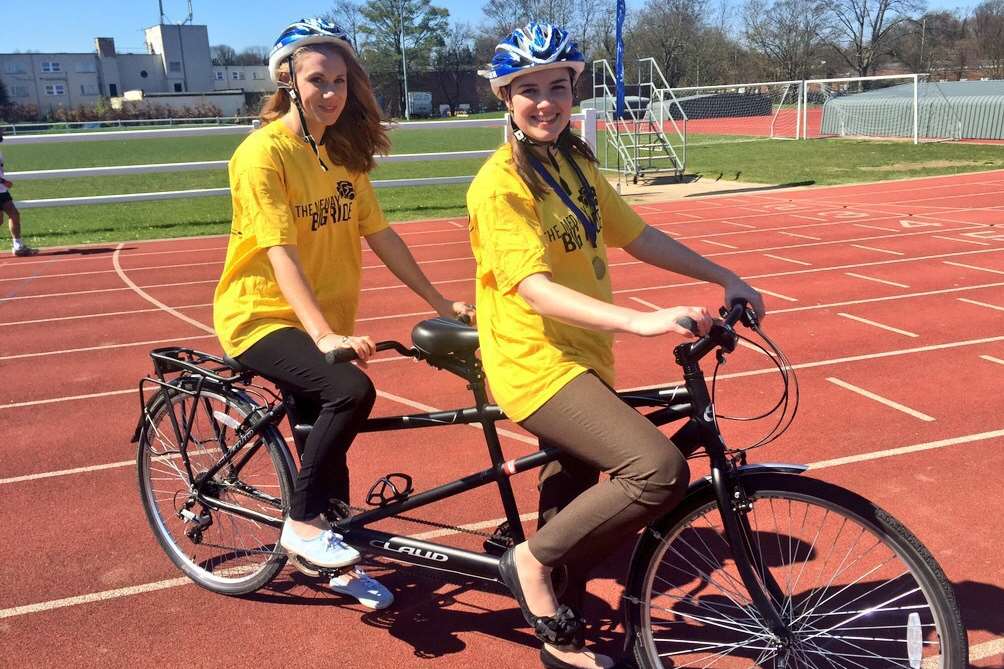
{"x": 746, "y": 470}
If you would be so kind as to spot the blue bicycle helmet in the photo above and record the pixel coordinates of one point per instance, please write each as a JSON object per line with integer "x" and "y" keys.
{"x": 303, "y": 33}
{"x": 534, "y": 47}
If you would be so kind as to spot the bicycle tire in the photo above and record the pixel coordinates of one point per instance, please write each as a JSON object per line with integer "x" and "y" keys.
{"x": 687, "y": 606}
{"x": 232, "y": 555}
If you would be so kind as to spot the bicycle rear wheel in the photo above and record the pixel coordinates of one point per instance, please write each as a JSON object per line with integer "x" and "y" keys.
{"x": 857, "y": 588}
{"x": 218, "y": 549}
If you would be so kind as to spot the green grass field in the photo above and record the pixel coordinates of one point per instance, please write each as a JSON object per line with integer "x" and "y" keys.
{"x": 822, "y": 162}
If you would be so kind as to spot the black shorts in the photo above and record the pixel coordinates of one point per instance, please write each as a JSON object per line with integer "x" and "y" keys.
{"x": 5, "y": 198}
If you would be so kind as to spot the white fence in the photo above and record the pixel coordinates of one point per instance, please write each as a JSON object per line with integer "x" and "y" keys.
{"x": 587, "y": 121}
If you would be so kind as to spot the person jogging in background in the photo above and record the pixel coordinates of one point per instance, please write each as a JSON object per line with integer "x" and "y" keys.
{"x": 289, "y": 291}
{"x": 541, "y": 219}
{"x": 7, "y": 207}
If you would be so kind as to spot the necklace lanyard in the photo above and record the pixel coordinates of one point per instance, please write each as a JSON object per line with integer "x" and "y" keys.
{"x": 588, "y": 224}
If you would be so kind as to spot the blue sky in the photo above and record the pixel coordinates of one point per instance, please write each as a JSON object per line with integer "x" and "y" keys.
{"x": 72, "y": 25}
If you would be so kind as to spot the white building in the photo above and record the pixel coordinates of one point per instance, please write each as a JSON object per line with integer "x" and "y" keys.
{"x": 178, "y": 61}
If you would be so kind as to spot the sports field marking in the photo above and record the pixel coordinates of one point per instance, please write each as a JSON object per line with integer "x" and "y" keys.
{"x": 869, "y": 300}
{"x": 796, "y": 262}
{"x": 806, "y": 217}
{"x": 106, "y": 347}
{"x": 98, "y": 315}
{"x": 874, "y": 227}
{"x": 722, "y": 244}
{"x": 877, "y": 324}
{"x": 777, "y": 295}
{"x": 963, "y": 241}
{"x": 979, "y": 651}
{"x": 838, "y": 361}
{"x": 795, "y": 234}
{"x": 980, "y": 304}
{"x": 644, "y": 303}
{"x": 872, "y": 248}
{"x": 877, "y": 280}
{"x": 68, "y": 398}
{"x": 981, "y": 269}
{"x": 881, "y": 400}
{"x": 456, "y": 225}
{"x": 990, "y": 358}
{"x": 741, "y": 225}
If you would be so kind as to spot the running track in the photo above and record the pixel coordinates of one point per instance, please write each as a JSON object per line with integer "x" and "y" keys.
{"x": 888, "y": 298}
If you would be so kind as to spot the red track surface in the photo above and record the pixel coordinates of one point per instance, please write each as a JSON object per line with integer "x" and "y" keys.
{"x": 85, "y": 584}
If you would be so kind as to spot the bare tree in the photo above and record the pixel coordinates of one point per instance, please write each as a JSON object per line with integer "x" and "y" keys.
{"x": 860, "y": 30}
{"x": 786, "y": 34}
{"x": 223, "y": 55}
{"x": 253, "y": 55}
{"x": 988, "y": 30}
{"x": 454, "y": 62}
{"x": 347, "y": 15}
{"x": 670, "y": 31}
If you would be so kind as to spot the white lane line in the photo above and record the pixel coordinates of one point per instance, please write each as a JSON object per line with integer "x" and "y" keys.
{"x": 67, "y": 472}
{"x": 106, "y": 347}
{"x": 964, "y": 241}
{"x": 808, "y": 218}
{"x": 797, "y": 262}
{"x": 457, "y": 225}
{"x": 878, "y": 325}
{"x": 722, "y": 244}
{"x": 872, "y": 248}
{"x": 990, "y": 358}
{"x": 981, "y": 269}
{"x": 645, "y": 303}
{"x": 980, "y": 304}
{"x": 888, "y": 298}
{"x": 836, "y": 361}
{"x": 874, "y": 227}
{"x": 795, "y": 234}
{"x": 878, "y": 398}
{"x": 777, "y": 295}
{"x": 105, "y": 290}
{"x": 741, "y": 225}
{"x": 876, "y": 280}
{"x": 904, "y": 450}
{"x": 976, "y": 652}
{"x": 68, "y": 398}
{"x": 100, "y": 315}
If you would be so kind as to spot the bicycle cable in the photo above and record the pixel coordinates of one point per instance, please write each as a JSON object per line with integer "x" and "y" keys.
{"x": 789, "y": 394}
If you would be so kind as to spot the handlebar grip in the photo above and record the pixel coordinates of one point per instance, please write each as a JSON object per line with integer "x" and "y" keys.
{"x": 688, "y": 323}
{"x": 340, "y": 355}
{"x": 465, "y": 319}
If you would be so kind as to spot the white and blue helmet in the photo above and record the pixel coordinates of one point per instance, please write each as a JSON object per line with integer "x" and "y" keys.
{"x": 303, "y": 33}
{"x": 534, "y": 47}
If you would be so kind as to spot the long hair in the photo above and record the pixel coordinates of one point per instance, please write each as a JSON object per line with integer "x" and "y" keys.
{"x": 568, "y": 142}
{"x": 358, "y": 135}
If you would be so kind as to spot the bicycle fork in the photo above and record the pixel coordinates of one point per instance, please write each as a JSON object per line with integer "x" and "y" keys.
{"x": 764, "y": 591}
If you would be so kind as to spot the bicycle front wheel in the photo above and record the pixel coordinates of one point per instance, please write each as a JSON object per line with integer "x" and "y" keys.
{"x": 217, "y": 548}
{"x": 855, "y": 587}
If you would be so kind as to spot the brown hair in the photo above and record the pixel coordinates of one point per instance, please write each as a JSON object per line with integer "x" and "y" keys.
{"x": 568, "y": 142}
{"x": 358, "y": 134}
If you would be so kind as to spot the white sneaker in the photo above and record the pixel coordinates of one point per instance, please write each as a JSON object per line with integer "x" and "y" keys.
{"x": 369, "y": 591}
{"x": 325, "y": 550}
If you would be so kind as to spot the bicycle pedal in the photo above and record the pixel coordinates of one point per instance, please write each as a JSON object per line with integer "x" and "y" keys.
{"x": 500, "y": 540}
{"x": 388, "y": 489}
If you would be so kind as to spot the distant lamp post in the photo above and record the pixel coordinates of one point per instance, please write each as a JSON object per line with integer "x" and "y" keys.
{"x": 404, "y": 67}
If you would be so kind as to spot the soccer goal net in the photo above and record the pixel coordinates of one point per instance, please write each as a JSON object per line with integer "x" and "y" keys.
{"x": 883, "y": 107}
{"x": 738, "y": 112}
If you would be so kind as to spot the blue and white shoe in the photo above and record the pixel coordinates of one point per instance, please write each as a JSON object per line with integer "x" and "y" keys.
{"x": 369, "y": 591}
{"x": 325, "y": 550}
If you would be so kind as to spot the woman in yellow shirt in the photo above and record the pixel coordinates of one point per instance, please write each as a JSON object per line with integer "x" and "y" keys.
{"x": 542, "y": 217}
{"x": 289, "y": 290}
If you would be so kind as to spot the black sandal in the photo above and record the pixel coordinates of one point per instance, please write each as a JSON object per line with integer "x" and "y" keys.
{"x": 563, "y": 630}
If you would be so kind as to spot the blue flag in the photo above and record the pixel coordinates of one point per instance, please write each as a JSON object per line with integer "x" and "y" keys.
{"x": 619, "y": 62}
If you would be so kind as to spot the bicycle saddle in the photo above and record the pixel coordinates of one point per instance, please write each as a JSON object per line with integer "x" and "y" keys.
{"x": 439, "y": 337}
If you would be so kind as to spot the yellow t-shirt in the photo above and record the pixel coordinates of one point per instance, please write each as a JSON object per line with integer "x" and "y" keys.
{"x": 282, "y": 197}
{"x": 529, "y": 358}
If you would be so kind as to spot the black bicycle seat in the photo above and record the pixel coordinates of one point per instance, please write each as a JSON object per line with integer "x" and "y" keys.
{"x": 439, "y": 337}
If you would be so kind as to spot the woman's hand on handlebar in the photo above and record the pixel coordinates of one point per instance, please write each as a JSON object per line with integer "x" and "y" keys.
{"x": 737, "y": 289}
{"x": 686, "y": 321}
{"x": 363, "y": 346}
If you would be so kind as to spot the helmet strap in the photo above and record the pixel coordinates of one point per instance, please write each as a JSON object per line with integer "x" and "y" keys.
{"x": 294, "y": 94}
